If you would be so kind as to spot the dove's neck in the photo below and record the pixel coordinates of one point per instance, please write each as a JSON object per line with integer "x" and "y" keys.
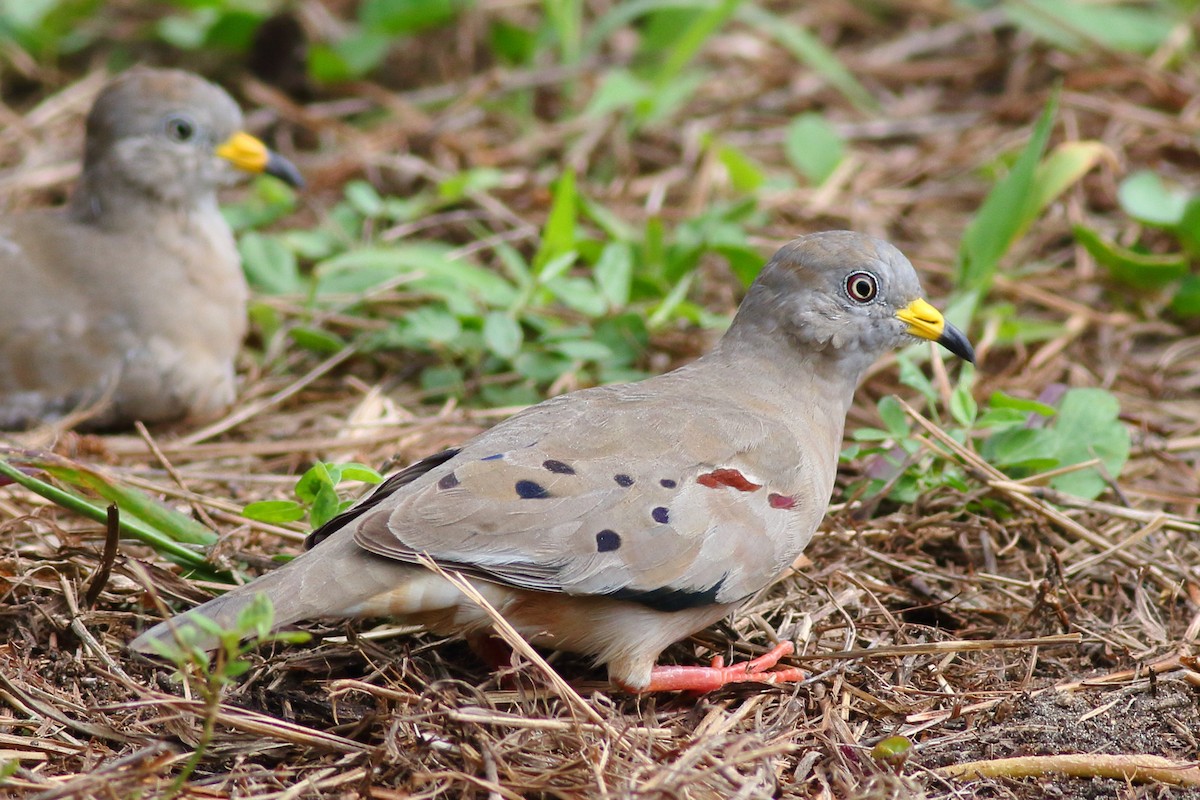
{"x": 762, "y": 369}
{"x": 109, "y": 197}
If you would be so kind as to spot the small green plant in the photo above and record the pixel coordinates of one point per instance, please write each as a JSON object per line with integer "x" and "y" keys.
{"x": 1020, "y": 437}
{"x": 209, "y": 676}
{"x": 317, "y": 495}
{"x": 1167, "y": 207}
{"x": 583, "y": 303}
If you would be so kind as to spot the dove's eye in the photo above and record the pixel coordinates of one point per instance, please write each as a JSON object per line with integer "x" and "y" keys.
{"x": 862, "y": 287}
{"x": 180, "y": 128}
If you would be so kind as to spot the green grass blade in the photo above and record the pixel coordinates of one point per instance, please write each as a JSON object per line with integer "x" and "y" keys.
{"x": 130, "y": 527}
{"x": 811, "y": 51}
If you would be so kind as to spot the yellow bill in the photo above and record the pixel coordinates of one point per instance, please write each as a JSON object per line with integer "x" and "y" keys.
{"x": 926, "y": 322}
{"x": 248, "y": 153}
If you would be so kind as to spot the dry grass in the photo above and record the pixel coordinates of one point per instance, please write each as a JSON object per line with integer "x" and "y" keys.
{"x": 1057, "y": 627}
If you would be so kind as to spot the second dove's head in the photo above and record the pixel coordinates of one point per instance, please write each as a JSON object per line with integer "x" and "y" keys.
{"x": 847, "y": 296}
{"x": 173, "y": 136}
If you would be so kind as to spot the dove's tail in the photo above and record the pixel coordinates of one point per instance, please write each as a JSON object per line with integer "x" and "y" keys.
{"x": 335, "y": 579}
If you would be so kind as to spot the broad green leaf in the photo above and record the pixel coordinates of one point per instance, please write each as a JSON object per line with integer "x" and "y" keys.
{"x": 614, "y": 274}
{"x": 813, "y": 147}
{"x": 1001, "y": 400}
{"x": 363, "y": 197}
{"x": 583, "y": 350}
{"x": 406, "y": 17}
{"x": 1060, "y": 170}
{"x": 1087, "y": 427}
{"x": 893, "y": 416}
{"x": 430, "y": 325}
{"x": 619, "y": 89}
{"x": 348, "y": 58}
{"x": 316, "y": 340}
{"x": 269, "y": 266}
{"x": 502, "y": 334}
{"x": 1140, "y": 270}
{"x": 1186, "y": 302}
{"x": 744, "y": 173}
{"x": 312, "y": 480}
{"x": 274, "y": 511}
{"x": 1148, "y": 199}
{"x": 325, "y": 506}
{"x": 579, "y": 294}
{"x": 1080, "y": 26}
{"x": 963, "y": 407}
{"x": 354, "y": 471}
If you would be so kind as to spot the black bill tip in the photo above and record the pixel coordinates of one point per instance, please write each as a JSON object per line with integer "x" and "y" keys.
{"x": 283, "y": 169}
{"x": 957, "y": 342}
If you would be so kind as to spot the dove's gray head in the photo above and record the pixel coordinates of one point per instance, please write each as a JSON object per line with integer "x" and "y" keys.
{"x": 846, "y": 295}
{"x": 167, "y": 136}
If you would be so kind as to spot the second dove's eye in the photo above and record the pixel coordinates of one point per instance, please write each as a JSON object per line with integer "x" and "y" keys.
{"x": 862, "y": 287}
{"x": 180, "y": 129}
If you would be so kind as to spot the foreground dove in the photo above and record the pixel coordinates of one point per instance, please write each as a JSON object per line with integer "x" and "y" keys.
{"x": 132, "y": 297}
{"x": 614, "y": 521}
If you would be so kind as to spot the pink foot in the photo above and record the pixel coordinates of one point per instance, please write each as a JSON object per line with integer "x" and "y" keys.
{"x": 706, "y": 679}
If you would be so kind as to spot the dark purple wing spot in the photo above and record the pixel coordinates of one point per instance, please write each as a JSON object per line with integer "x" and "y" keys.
{"x": 667, "y": 483}
{"x": 623, "y": 480}
{"x": 661, "y": 515}
{"x": 448, "y": 481}
{"x": 558, "y": 466}
{"x": 493, "y": 457}
{"x": 607, "y": 541}
{"x": 529, "y": 490}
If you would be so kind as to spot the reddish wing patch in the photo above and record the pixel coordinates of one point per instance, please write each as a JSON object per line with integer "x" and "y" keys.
{"x": 781, "y": 500}
{"x": 727, "y": 477}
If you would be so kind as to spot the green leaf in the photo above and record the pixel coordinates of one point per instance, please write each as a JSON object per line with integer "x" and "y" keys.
{"x": 1081, "y": 26}
{"x": 354, "y": 471}
{"x": 1064, "y": 167}
{"x": 363, "y": 197}
{"x": 1186, "y": 302}
{"x": 316, "y": 340}
{"x": 581, "y": 350}
{"x": 558, "y": 236}
{"x": 1005, "y": 211}
{"x": 893, "y": 416}
{"x": 686, "y": 43}
{"x": 963, "y": 407}
{"x": 325, "y": 506}
{"x": 348, "y": 58}
{"x": 406, "y": 17}
{"x": 1001, "y": 400}
{"x": 579, "y": 294}
{"x": 744, "y": 173}
{"x": 312, "y": 480}
{"x": 274, "y": 511}
{"x": 812, "y": 52}
{"x": 1140, "y": 270}
{"x": 1150, "y": 200}
{"x": 269, "y": 266}
{"x": 614, "y": 274}
{"x": 1087, "y": 426}
{"x": 813, "y": 147}
{"x": 502, "y": 334}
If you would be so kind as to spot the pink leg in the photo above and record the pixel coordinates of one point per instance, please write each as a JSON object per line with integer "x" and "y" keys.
{"x": 706, "y": 679}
